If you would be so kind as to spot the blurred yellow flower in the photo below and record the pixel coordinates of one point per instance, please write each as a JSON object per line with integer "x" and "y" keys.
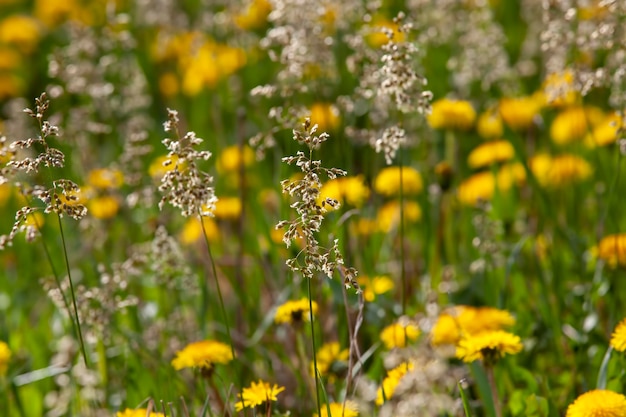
{"x": 254, "y": 16}
{"x": 325, "y": 115}
{"x": 374, "y": 286}
{"x": 391, "y": 381}
{"x": 21, "y": 31}
{"x": 330, "y": 359}
{"x": 228, "y": 208}
{"x": 560, "y": 170}
{"x": 55, "y": 12}
{"x": 490, "y": 153}
{"x": 397, "y": 335}
{"x": 489, "y": 125}
{"x": 605, "y": 132}
{"x": 388, "y": 216}
{"x": 192, "y": 230}
{"x": 574, "y": 123}
{"x": 598, "y": 403}
{"x": 103, "y": 207}
{"x": 105, "y": 178}
{"x": 203, "y": 355}
{"x": 387, "y": 181}
{"x": 232, "y": 157}
{"x": 519, "y": 113}
{"x": 452, "y": 114}
{"x": 482, "y": 185}
{"x": 559, "y": 89}
{"x": 164, "y": 164}
{"x": 5, "y": 356}
{"x": 257, "y": 394}
{"x": 207, "y": 65}
{"x": 612, "y": 249}
{"x": 168, "y": 84}
{"x": 351, "y": 190}
{"x": 10, "y": 85}
{"x": 138, "y": 412}
{"x": 10, "y": 59}
{"x": 488, "y": 346}
{"x": 338, "y": 410}
{"x": 462, "y": 321}
{"x": 294, "y": 312}
{"x": 618, "y": 338}
{"x": 377, "y": 38}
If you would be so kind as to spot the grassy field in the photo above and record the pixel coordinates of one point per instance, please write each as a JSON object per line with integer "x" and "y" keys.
{"x": 309, "y": 207}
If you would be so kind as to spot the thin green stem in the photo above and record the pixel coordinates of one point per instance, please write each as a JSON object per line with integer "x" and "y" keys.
{"x": 402, "y": 267}
{"x": 317, "y": 388}
{"x": 72, "y": 292}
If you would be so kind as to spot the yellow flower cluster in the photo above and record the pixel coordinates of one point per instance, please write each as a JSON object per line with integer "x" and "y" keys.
{"x": 330, "y": 357}
{"x": 461, "y": 321}
{"x": 203, "y": 355}
{"x": 573, "y": 124}
{"x": 397, "y": 335}
{"x": 258, "y": 393}
{"x": 391, "y": 381}
{"x": 389, "y": 180}
{"x": 374, "y": 286}
{"x": 482, "y": 185}
{"x": 295, "y": 312}
{"x": 452, "y": 114}
{"x": 559, "y": 171}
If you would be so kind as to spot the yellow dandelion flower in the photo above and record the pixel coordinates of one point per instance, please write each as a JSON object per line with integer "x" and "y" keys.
{"x": 573, "y": 123}
{"x": 138, "y": 412}
{"x": 598, "y": 403}
{"x": 490, "y": 153}
{"x": 391, "y": 381}
{"x": 294, "y": 311}
{"x": 462, "y": 321}
{"x": 103, "y": 207}
{"x": 55, "y": 12}
{"x": 612, "y": 249}
{"x": 605, "y": 132}
{"x": 331, "y": 359}
{"x": 351, "y": 190}
{"x": 489, "y": 125}
{"x": 5, "y": 356}
{"x": 254, "y": 15}
{"x": 519, "y": 113}
{"x": 325, "y": 115}
{"x": 482, "y": 185}
{"x": 559, "y": 89}
{"x": 232, "y": 157}
{"x": 228, "y": 208}
{"x": 168, "y": 84}
{"x": 338, "y": 410}
{"x": 203, "y": 355}
{"x": 10, "y": 59}
{"x": 397, "y": 335}
{"x": 164, "y": 164}
{"x": 388, "y": 216}
{"x": 10, "y": 85}
{"x": 104, "y": 178}
{"x": 377, "y": 38}
{"x": 593, "y": 10}
{"x": 258, "y": 393}
{"x": 365, "y": 226}
{"x": 452, "y": 114}
{"x": 488, "y": 346}
{"x": 618, "y": 338}
{"x": 387, "y": 181}
{"x": 560, "y": 170}
{"x": 21, "y": 31}
{"x": 374, "y": 286}
{"x": 192, "y": 230}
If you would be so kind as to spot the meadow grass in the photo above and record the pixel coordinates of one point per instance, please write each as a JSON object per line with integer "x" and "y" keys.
{"x": 293, "y": 207}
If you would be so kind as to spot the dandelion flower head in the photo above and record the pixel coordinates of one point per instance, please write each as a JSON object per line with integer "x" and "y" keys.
{"x": 391, "y": 381}
{"x": 397, "y": 335}
{"x": 193, "y": 231}
{"x": 373, "y": 286}
{"x": 329, "y": 357}
{"x": 618, "y": 338}
{"x": 5, "y": 356}
{"x": 204, "y": 355}
{"x": 519, "y": 113}
{"x": 489, "y": 125}
{"x": 612, "y": 249}
{"x": 605, "y": 132}
{"x": 572, "y": 124}
{"x": 488, "y": 346}
{"x": 338, "y": 410}
{"x": 294, "y": 312}
{"x": 482, "y": 185}
{"x": 462, "y": 321}
{"x": 387, "y": 181}
{"x": 388, "y": 216}
{"x": 598, "y": 403}
{"x": 21, "y": 31}
{"x": 559, "y": 171}
{"x": 452, "y": 114}
{"x": 228, "y": 208}
{"x": 103, "y": 207}
{"x": 254, "y": 16}
{"x": 325, "y": 115}
{"x": 351, "y": 190}
{"x": 104, "y": 178}
{"x": 559, "y": 89}
{"x": 258, "y": 393}
{"x": 138, "y": 412}
{"x": 233, "y": 157}
{"x": 490, "y": 153}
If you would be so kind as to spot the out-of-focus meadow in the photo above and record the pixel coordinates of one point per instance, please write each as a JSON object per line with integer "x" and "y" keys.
{"x": 311, "y": 207}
